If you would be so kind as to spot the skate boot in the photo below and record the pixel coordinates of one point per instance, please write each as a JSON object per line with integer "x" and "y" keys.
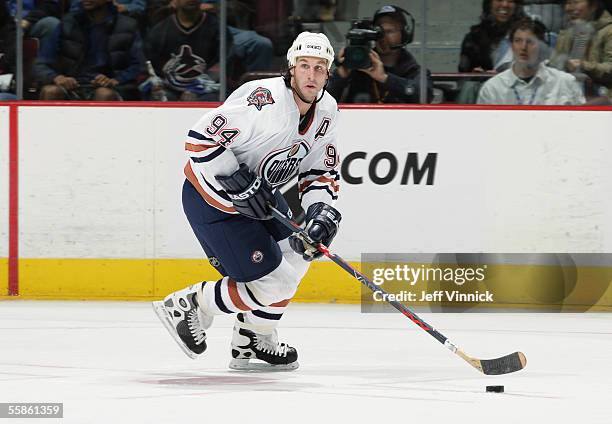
{"x": 261, "y": 352}
{"x": 186, "y": 323}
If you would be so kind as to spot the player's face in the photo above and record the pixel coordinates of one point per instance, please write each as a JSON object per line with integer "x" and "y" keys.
{"x": 393, "y": 34}
{"x": 310, "y": 75}
{"x": 502, "y": 10}
{"x": 525, "y": 46}
{"x": 579, "y": 10}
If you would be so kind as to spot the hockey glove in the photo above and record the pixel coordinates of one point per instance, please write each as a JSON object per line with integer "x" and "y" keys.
{"x": 322, "y": 223}
{"x": 249, "y": 193}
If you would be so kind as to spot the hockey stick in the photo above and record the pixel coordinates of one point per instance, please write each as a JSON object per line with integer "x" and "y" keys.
{"x": 504, "y": 365}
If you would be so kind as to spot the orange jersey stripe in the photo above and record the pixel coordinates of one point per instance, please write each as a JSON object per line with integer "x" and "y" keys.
{"x": 198, "y": 147}
{"x": 282, "y": 303}
{"x": 235, "y": 296}
{"x": 334, "y": 184}
{"x": 207, "y": 197}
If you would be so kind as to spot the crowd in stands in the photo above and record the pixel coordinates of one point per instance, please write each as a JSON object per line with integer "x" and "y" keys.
{"x": 528, "y": 66}
{"x": 528, "y": 81}
{"x": 169, "y": 50}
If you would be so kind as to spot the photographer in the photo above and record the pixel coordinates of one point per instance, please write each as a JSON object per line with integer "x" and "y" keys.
{"x": 392, "y": 75}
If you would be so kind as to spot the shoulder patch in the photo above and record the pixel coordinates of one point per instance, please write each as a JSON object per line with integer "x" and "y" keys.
{"x": 260, "y": 97}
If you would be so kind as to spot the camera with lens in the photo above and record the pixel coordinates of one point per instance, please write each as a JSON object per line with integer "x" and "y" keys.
{"x": 360, "y": 41}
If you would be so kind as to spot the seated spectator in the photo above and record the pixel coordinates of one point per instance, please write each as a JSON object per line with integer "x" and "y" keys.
{"x": 248, "y": 52}
{"x": 487, "y": 46}
{"x": 39, "y": 17}
{"x": 7, "y": 53}
{"x": 94, "y": 54}
{"x": 529, "y": 81}
{"x": 254, "y": 51}
{"x": 132, "y": 8}
{"x": 585, "y": 47}
{"x": 394, "y": 76}
{"x": 182, "y": 48}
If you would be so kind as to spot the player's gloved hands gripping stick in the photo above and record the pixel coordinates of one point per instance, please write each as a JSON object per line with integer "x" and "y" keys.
{"x": 250, "y": 194}
{"x": 322, "y": 223}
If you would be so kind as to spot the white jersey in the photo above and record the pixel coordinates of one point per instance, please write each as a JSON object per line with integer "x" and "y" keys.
{"x": 259, "y": 125}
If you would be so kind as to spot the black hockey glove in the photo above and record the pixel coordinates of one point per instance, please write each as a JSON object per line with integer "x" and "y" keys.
{"x": 322, "y": 223}
{"x": 250, "y": 194}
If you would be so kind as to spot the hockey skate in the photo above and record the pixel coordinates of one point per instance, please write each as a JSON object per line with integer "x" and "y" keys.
{"x": 258, "y": 352}
{"x": 180, "y": 314}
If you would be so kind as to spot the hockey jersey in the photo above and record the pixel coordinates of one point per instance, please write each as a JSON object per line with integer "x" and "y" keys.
{"x": 259, "y": 125}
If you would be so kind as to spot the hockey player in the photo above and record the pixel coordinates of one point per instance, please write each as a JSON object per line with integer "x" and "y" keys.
{"x": 265, "y": 133}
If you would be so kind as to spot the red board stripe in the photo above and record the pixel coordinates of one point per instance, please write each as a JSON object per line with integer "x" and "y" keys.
{"x": 13, "y": 259}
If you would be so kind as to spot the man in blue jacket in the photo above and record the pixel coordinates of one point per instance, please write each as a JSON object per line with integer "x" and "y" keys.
{"x": 95, "y": 54}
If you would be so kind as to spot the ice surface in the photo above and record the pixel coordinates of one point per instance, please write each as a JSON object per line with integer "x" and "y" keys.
{"x": 113, "y": 362}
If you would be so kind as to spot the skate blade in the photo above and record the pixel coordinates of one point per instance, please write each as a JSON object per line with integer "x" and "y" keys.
{"x": 246, "y": 365}
{"x": 162, "y": 314}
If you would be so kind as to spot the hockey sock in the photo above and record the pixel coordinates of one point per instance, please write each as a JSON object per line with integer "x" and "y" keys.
{"x": 226, "y": 296}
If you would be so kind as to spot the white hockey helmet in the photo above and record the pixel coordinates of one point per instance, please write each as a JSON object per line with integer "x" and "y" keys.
{"x": 311, "y": 44}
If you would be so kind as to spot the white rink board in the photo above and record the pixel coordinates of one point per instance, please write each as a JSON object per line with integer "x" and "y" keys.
{"x": 538, "y": 185}
{"x": 4, "y": 180}
{"x": 93, "y": 190}
{"x": 100, "y": 190}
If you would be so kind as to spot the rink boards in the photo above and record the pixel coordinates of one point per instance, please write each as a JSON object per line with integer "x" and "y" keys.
{"x": 4, "y": 196}
{"x": 100, "y": 213}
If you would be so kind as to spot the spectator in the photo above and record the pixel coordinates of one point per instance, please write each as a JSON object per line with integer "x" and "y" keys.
{"x": 95, "y": 53}
{"x": 585, "y": 47}
{"x": 7, "y": 53}
{"x": 487, "y": 46}
{"x": 254, "y": 51}
{"x": 39, "y": 18}
{"x": 248, "y": 52}
{"x": 182, "y": 48}
{"x": 529, "y": 81}
{"x": 132, "y": 8}
{"x": 394, "y": 76}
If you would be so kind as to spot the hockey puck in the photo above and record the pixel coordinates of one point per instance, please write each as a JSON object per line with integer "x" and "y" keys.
{"x": 495, "y": 389}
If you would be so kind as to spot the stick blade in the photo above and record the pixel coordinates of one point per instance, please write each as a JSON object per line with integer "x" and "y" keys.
{"x": 506, "y": 364}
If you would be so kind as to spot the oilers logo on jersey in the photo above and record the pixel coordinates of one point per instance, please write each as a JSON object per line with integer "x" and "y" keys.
{"x": 279, "y": 166}
{"x": 275, "y": 142}
{"x": 260, "y": 97}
